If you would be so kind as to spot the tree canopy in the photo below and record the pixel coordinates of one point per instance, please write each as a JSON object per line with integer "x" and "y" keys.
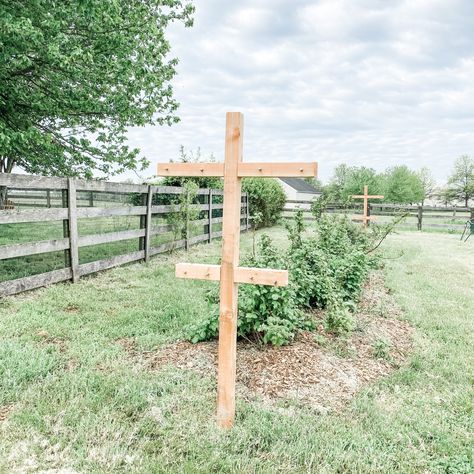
{"x": 75, "y": 75}
{"x": 398, "y": 184}
{"x": 461, "y": 182}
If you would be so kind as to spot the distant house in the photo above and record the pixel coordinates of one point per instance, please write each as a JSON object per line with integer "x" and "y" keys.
{"x": 298, "y": 189}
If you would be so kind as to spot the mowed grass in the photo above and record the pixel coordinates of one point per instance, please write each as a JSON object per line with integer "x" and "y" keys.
{"x": 76, "y": 400}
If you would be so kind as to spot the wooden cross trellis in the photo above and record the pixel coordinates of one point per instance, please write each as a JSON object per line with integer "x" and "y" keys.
{"x": 229, "y": 272}
{"x": 365, "y": 218}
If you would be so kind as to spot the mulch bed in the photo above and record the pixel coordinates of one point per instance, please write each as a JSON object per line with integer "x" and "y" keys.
{"x": 321, "y": 372}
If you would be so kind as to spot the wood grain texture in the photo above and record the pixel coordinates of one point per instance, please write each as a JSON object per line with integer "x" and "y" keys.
{"x": 255, "y": 276}
{"x": 277, "y": 170}
{"x": 229, "y": 261}
{"x": 33, "y": 248}
{"x": 190, "y": 169}
{"x": 73, "y": 233}
{"x": 36, "y": 281}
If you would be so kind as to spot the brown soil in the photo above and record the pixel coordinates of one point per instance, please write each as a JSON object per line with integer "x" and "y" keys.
{"x": 318, "y": 369}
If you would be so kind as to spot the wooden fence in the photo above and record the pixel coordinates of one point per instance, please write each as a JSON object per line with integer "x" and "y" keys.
{"x": 73, "y": 209}
{"x": 418, "y": 217}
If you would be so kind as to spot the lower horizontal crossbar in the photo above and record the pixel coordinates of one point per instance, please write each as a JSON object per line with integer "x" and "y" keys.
{"x": 257, "y": 276}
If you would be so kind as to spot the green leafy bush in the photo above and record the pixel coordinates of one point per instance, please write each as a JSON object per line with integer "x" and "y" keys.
{"x": 267, "y": 197}
{"x": 266, "y": 313}
{"x": 326, "y": 271}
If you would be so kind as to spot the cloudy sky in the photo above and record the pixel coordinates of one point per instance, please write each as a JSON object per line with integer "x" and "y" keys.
{"x": 364, "y": 82}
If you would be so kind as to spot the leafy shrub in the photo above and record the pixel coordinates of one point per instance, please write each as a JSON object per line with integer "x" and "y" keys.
{"x": 265, "y": 196}
{"x": 266, "y": 313}
{"x": 339, "y": 320}
{"x": 326, "y": 271}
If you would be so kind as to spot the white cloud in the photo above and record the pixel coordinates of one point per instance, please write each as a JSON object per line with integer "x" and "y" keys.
{"x": 372, "y": 82}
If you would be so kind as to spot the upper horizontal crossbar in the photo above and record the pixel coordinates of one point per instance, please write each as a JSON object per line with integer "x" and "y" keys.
{"x": 257, "y": 276}
{"x": 288, "y": 170}
{"x": 363, "y": 196}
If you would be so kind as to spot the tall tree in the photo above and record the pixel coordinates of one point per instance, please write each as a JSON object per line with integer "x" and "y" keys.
{"x": 428, "y": 183}
{"x": 75, "y": 75}
{"x": 402, "y": 185}
{"x": 461, "y": 182}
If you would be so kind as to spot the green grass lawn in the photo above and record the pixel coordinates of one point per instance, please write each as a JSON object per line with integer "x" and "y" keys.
{"x": 73, "y": 399}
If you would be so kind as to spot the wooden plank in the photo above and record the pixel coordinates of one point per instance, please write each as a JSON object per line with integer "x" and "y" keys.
{"x": 16, "y": 216}
{"x": 27, "y": 181}
{"x": 261, "y": 276}
{"x": 84, "y": 212}
{"x": 229, "y": 261}
{"x": 33, "y": 248}
{"x": 148, "y": 223}
{"x": 209, "y": 215}
{"x": 93, "y": 267}
{"x": 167, "y": 208}
{"x": 108, "y": 237}
{"x": 73, "y": 233}
{"x": 167, "y": 246}
{"x": 190, "y": 169}
{"x": 109, "y": 187}
{"x": 256, "y": 276}
{"x": 198, "y": 271}
{"x": 67, "y": 258}
{"x": 277, "y": 170}
{"x": 36, "y": 281}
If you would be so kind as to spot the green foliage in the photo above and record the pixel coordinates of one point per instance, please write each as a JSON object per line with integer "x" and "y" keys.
{"x": 428, "y": 183}
{"x": 381, "y": 349}
{"x": 267, "y": 314}
{"x": 461, "y": 182}
{"x": 204, "y": 182}
{"x": 319, "y": 205}
{"x": 184, "y": 212}
{"x": 326, "y": 271}
{"x": 339, "y": 320}
{"x": 75, "y": 76}
{"x": 267, "y": 197}
{"x": 398, "y": 184}
{"x": 402, "y": 186}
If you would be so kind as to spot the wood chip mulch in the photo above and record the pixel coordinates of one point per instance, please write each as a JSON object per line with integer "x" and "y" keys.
{"x": 321, "y": 372}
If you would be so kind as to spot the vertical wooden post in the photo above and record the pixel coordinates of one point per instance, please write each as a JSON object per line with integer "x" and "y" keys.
{"x": 366, "y": 202}
{"x": 247, "y": 211}
{"x": 210, "y": 215}
{"x": 48, "y": 198}
{"x": 73, "y": 234}
{"x": 149, "y": 202}
{"x": 472, "y": 212}
{"x": 420, "y": 217}
{"x": 369, "y": 209}
{"x": 91, "y": 199}
{"x": 186, "y": 223}
{"x": 141, "y": 240}
{"x": 67, "y": 253}
{"x": 229, "y": 261}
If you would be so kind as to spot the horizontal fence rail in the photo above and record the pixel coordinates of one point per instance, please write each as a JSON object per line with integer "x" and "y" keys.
{"x": 451, "y": 218}
{"x": 71, "y": 202}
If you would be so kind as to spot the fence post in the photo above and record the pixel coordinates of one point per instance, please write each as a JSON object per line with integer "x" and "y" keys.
{"x": 73, "y": 234}
{"x": 149, "y": 202}
{"x": 67, "y": 253}
{"x": 247, "y": 217}
{"x": 472, "y": 212}
{"x": 141, "y": 240}
{"x": 210, "y": 215}
{"x": 420, "y": 217}
{"x": 48, "y": 198}
{"x": 454, "y": 210}
{"x": 186, "y": 229}
{"x": 91, "y": 199}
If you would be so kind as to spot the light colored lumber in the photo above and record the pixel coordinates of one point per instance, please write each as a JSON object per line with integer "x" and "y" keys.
{"x": 277, "y": 170}
{"x": 190, "y": 169}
